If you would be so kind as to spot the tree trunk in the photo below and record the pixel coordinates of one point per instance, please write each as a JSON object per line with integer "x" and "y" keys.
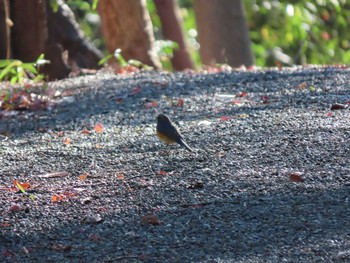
{"x": 29, "y": 33}
{"x": 171, "y": 21}
{"x": 127, "y": 25}
{"x": 5, "y": 25}
{"x": 64, "y": 30}
{"x": 223, "y": 33}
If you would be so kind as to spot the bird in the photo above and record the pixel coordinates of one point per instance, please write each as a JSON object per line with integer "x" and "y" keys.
{"x": 168, "y": 133}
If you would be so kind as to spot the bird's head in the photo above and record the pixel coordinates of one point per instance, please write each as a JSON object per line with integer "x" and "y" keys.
{"x": 162, "y": 117}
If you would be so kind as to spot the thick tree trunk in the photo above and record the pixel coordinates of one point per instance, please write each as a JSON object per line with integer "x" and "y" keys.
{"x": 171, "y": 21}
{"x": 127, "y": 25}
{"x": 223, "y": 33}
{"x": 29, "y": 33}
{"x": 64, "y": 30}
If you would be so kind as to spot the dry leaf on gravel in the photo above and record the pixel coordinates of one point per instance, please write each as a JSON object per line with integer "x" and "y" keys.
{"x": 296, "y": 177}
{"x": 98, "y": 128}
{"x": 150, "y": 220}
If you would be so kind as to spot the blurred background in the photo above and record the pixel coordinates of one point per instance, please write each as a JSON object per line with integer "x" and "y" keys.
{"x": 171, "y": 34}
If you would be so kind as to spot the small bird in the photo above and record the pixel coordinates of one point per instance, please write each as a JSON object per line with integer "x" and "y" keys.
{"x": 167, "y": 132}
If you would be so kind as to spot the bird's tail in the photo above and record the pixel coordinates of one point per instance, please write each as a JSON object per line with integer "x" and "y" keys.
{"x": 184, "y": 144}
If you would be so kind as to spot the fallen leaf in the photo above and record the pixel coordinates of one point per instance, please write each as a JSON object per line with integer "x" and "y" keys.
{"x": 67, "y": 141}
{"x": 5, "y": 224}
{"x": 82, "y": 177}
{"x": 242, "y": 94}
{"x": 330, "y": 114}
{"x": 61, "y": 247}
{"x": 119, "y": 100}
{"x": 302, "y": 85}
{"x": 180, "y": 102}
{"x": 339, "y": 106}
{"x": 237, "y": 102}
{"x": 20, "y": 185}
{"x": 150, "y": 220}
{"x": 56, "y": 198}
{"x": 98, "y": 128}
{"x": 94, "y": 237}
{"x": 60, "y": 133}
{"x": 15, "y": 208}
{"x": 151, "y": 104}
{"x": 296, "y": 177}
{"x": 162, "y": 172}
{"x": 53, "y": 175}
{"x": 135, "y": 90}
{"x": 120, "y": 176}
{"x": 85, "y": 131}
{"x": 265, "y": 99}
{"x": 225, "y": 118}
{"x": 7, "y": 253}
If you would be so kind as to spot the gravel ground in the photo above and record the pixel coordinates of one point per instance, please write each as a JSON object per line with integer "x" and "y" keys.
{"x": 269, "y": 180}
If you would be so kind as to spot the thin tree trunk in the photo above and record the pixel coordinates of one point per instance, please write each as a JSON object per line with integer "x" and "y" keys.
{"x": 171, "y": 21}
{"x": 223, "y": 33}
{"x": 5, "y": 26}
{"x": 127, "y": 25}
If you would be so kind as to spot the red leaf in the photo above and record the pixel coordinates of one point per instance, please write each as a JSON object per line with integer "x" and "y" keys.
{"x": 162, "y": 172}
{"x": 180, "y": 102}
{"x": 85, "y": 131}
{"x": 98, "y": 128}
{"x": 135, "y": 90}
{"x": 296, "y": 177}
{"x": 242, "y": 94}
{"x": 25, "y": 186}
{"x": 7, "y": 253}
{"x": 14, "y": 208}
{"x": 225, "y": 118}
{"x": 265, "y": 99}
{"x": 120, "y": 176}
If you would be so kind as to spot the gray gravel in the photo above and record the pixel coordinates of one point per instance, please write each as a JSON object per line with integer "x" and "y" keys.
{"x": 230, "y": 201}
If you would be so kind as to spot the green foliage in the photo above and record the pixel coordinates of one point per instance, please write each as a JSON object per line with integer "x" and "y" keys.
{"x": 312, "y": 32}
{"x": 121, "y": 60}
{"x": 17, "y": 71}
{"x": 288, "y": 32}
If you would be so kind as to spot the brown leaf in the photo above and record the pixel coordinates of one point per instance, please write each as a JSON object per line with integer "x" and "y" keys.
{"x": 296, "y": 177}
{"x": 339, "y": 106}
{"x": 61, "y": 247}
{"x": 150, "y": 220}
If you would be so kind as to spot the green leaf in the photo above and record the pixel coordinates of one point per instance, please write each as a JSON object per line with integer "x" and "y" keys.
{"x": 105, "y": 59}
{"x": 30, "y": 68}
{"x": 94, "y": 4}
